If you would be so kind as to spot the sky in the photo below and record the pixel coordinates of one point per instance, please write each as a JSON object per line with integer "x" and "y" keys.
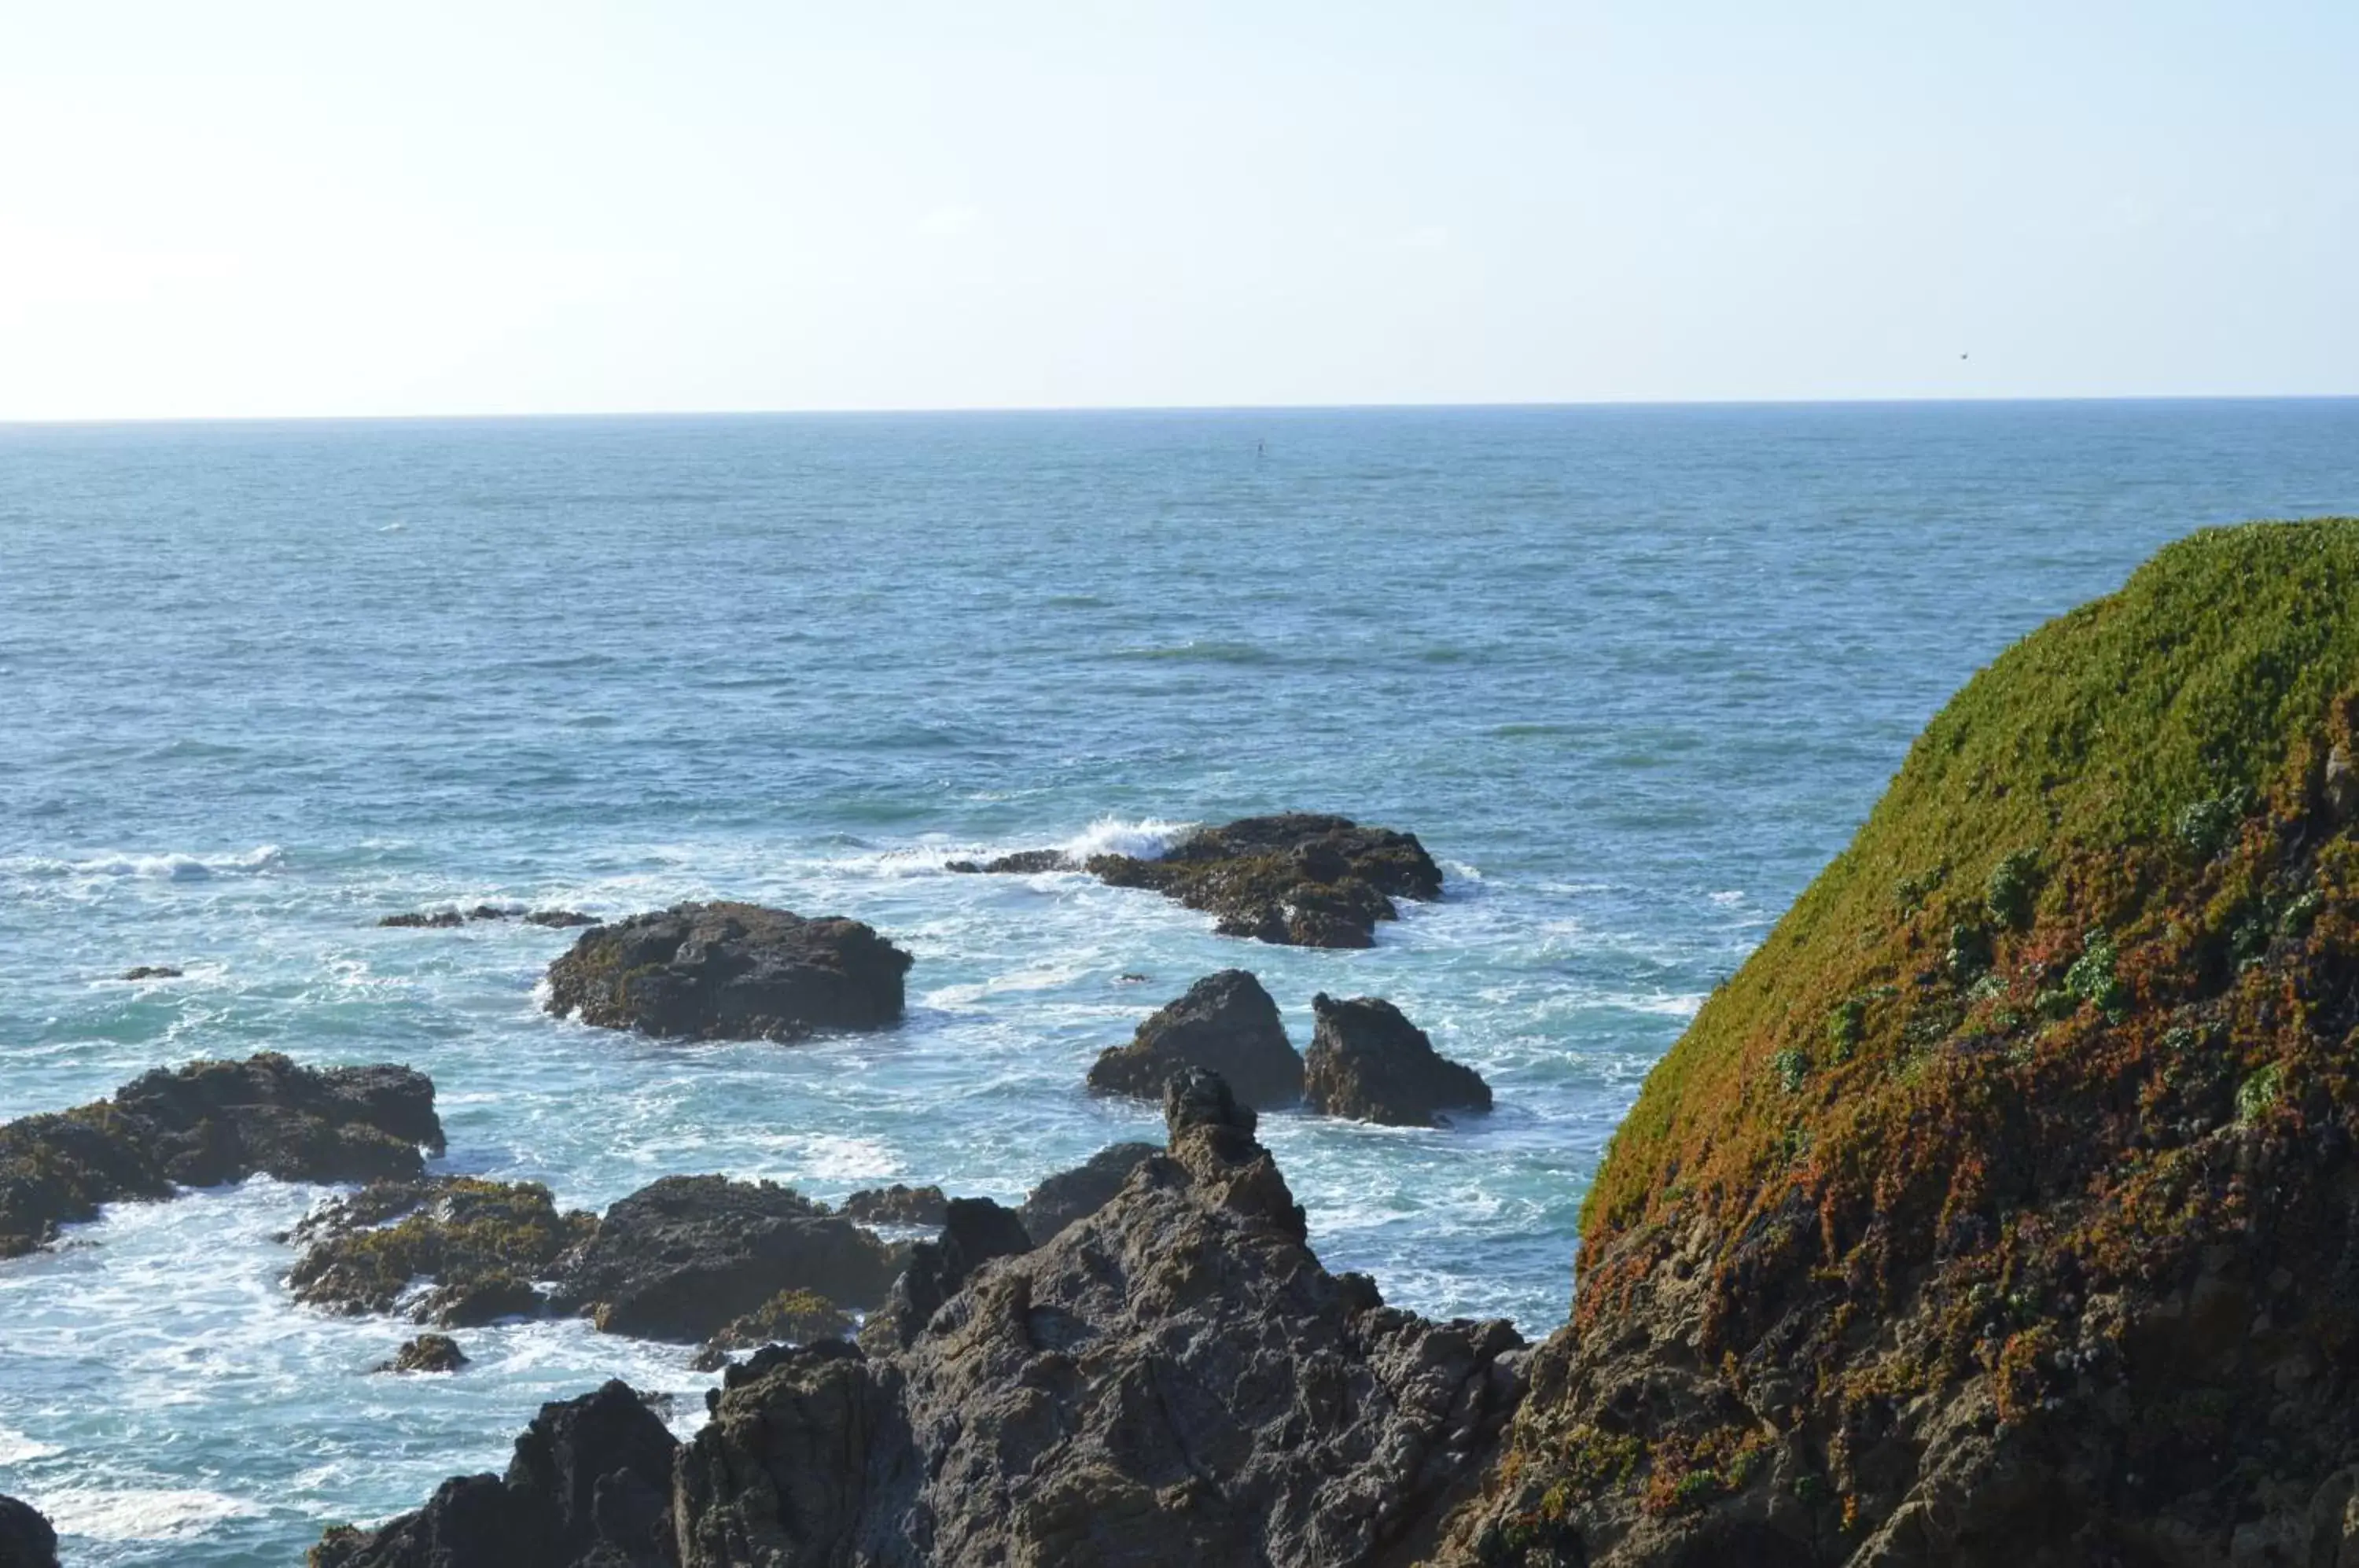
{"x": 255, "y": 209}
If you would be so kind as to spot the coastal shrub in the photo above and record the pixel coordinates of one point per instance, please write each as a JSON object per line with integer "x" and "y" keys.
{"x": 2092, "y": 976}
{"x": 2014, "y": 884}
{"x": 2257, "y": 1094}
{"x": 1792, "y": 1067}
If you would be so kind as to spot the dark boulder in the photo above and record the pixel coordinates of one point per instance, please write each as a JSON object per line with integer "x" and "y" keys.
{"x": 476, "y": 1245}
{"x": 726, "y": 971}
{"x": 795, "y": 1317}
{"x": 427, "y": 1352}
{"x": 152, "y": 972}
{"x": 1023, "y": 863}
{"x": 897, "y": 1205}
{"x": 1226, "y": 1023}
{"x": 1369, "y": 1062}
{"x": 1296, "y": 878}
{"x": 590, "y": 1486}
{"x": 559, "y": 919}
{"x": 681, "y": 1258}
{"x": 27, "y": 1539}
{"x": 1074, "y": 1194}
{"x": 974, "y": 1231}
{"x": 206, "y": 1124}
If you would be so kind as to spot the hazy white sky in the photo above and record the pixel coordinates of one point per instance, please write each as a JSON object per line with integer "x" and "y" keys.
{"x": 251, "y": 209}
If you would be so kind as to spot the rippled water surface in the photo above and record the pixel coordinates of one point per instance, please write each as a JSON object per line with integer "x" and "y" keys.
{"x": 1633, "y": 675}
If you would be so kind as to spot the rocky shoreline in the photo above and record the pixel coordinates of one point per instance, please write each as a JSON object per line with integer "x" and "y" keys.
{"x": 2001, "y": 1212}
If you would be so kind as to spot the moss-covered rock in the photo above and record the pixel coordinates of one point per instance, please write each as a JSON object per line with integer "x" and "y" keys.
{"x": 2002, "y": 1209}
{"x": 453, "y": 1250}
{"x": 790, "y": 1317}
{"x": 206, "y": 1124}
{"x": 1295, "y": 878}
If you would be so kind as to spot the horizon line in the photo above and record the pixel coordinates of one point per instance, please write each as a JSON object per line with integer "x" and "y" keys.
{"x": 889, "y": 411}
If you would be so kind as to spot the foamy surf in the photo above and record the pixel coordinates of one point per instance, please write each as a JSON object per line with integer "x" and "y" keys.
{"x": 163, "y": 1513}
{"x": 1149, "y": 838}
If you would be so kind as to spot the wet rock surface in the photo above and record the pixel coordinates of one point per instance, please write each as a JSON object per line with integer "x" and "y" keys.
{"x": 1171, "y": 1379}
{"x": 729, "y": 971}
{"x": 207, "y": 1124}
{"x": 683, "y": 1257}
{"x": 1023, "y": 863}
{"x": 476, "y": 1246}
{"x": 27, "y": 1539}
{"x": 589, "y": 1486}
{"x": 897, "y": 1205}
{"x": 445, "y": 920}
{"x": 1077, "y": 1194}
{"x": 427, "y": 1352}
{"x": 151, "y": 971}
{"x": 797, "y": 1317}
{"x": 1367, "y": 1062}
{"x": 1297, "y": 878}
{"x": 1226, "y": 1024}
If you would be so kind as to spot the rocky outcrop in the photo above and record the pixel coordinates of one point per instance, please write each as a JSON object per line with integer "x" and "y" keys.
{"x": 2003, "y": 1210}
{"x": 728, "y": 971}
{"x": 791, "y": 1317}
{"x": 589, "y": 1486}
{"x": 1023, "y": 863}
{"x": 1226, "y": 1024}
{"x": 1081, "y": 1192}
{"x": 974, "y": 1231}
{"x": 1309, "y": 881}
{"x": 1369, "y": 1062}
{"x": 1173, "y": 1379}
{"x": 27, "y": 1539}
{"x": 427, "y": 1352}
{"x": 207, "y": 1124}
{"x": 453, "y": 1250}
{"x": 683, "y": 1257}
{"x": 897, "y": 1205}
{"x": 443, "y": 920}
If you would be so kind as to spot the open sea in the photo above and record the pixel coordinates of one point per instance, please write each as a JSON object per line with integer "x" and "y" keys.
{"x": 1632, "y": 674}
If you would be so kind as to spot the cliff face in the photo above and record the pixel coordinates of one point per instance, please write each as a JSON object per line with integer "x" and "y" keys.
{"x": 2002, "y": 1207}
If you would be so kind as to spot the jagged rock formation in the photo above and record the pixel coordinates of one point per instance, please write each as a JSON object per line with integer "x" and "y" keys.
{"x": 1304, "y": 880}
{"x": 1172, "y": 1379}
{"x": 427, "y": 1353}
{"x": 1369, "y": 1062}
{"x": 680, "y": 1258}
{"x": 974, "y": 1231}
{"x": 2003, "y": 1209}
{"x": 897, "y": 1205}
{"x": 728, "y": 971}
{"x": 590, "y": 1486}
{"x": 206, "y": 1124}
{"x": 1226, "y": 1024}
{"x": 1074, "y": 1194}
{"x": 27, "y": 1539}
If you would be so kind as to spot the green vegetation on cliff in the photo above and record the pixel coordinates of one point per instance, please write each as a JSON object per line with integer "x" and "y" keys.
{"x": 2059, "y": 1051}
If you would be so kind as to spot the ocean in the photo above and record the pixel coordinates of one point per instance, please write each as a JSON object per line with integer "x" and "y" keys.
{"x": 1632, "y": 674}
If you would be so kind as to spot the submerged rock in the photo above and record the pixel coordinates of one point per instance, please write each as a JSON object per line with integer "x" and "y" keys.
{"x": 152, "y": 972}
{"x": 1999, "y": 1212}
{"x": 206, "y": 1124}
{"x": 726, "y": 971}
{"x": 590, "y": 1486}
{"x": 1297, "y": 878}
{"x": 27, "y": 1539}
{"x": 427, "y": 1352}
{"x": 443, "y": 920}
{"x": 791, "y": 1317}
{"x": 1077, "y": 1194}
{"x": 681, "y": 1258}
{"x": 897, "y": 1205}
{"x": 1369, "y": 1062}
{"x": 1225, "y": 1023}
{"x": 1023, "y": 863}
{"x": 1171, "y": 1381}
{"x": 478, "y": 1246}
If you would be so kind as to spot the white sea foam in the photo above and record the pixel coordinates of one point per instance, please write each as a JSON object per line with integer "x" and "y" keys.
{"x": 15, "y": 1448}
{"x": 1144, "y": 840}
{"x": 171, "y": 867}
{"x": 138, "y": 1513}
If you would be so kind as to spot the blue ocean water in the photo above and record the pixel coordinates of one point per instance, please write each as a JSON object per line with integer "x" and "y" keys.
{"x": 1633, "y": 675}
